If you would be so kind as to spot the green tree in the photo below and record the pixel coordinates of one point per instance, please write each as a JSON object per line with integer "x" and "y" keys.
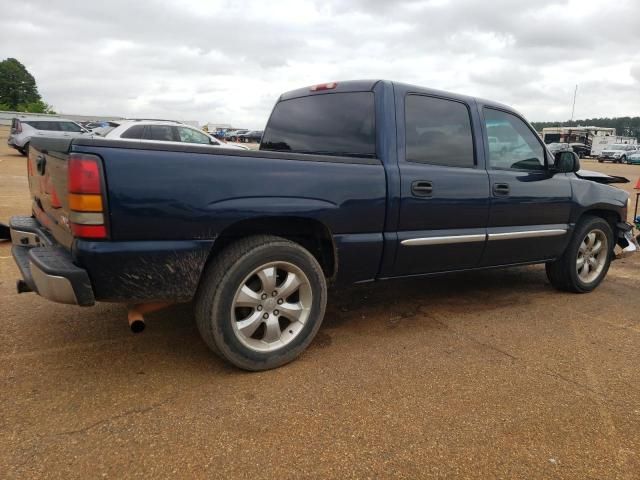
{"x": 18, "y": 90}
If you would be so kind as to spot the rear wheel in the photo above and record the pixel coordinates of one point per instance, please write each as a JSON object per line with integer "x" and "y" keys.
{"x": 261, "y": 302}
{"x": 586, "y": 260}
{"x": 623, "y": 160}
{"x": 25, "y": 149}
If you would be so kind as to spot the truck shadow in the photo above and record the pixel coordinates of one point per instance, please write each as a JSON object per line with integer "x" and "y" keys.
{"x": 380, "y": 305}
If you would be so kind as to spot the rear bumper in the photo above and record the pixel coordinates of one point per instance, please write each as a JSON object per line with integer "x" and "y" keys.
{"x": 46, "y": 267}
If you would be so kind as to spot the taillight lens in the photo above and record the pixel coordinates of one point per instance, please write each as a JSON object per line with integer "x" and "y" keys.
{"x": 85, "y": 188}
{"x": 18, "y": 127}
{"x": 84, "y": 174}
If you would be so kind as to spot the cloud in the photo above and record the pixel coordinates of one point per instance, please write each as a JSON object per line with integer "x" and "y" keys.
{"x": 227, "y": 61}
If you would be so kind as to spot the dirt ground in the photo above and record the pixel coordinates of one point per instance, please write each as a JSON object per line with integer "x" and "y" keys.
{"x": 484, "y": 375}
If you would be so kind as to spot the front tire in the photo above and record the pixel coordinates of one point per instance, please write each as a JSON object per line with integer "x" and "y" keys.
{"x": 587, "y": 258}
{"x": 261, "y": 303}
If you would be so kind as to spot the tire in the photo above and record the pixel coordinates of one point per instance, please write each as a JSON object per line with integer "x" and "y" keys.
{"x": 600, "y": 160}
{"x": 25, "y": 150}
{"x": 623, "y": 160}
{"x": 565, "y": 272}
{"x": 222, "y": 287}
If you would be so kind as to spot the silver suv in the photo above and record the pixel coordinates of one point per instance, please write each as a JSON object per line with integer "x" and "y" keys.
{"x": 25, "y": 128}
{"x": 164, "y": 131}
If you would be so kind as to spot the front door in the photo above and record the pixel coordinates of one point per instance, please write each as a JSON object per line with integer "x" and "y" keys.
{"x": 444, "y": 202}
{"x": 530, "y": 206}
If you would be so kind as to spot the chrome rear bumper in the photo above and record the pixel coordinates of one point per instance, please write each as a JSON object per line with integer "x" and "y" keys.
{"x": 46, "y": 267}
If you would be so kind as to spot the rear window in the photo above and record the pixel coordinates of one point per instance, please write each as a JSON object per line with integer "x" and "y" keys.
{"x": 331, "y": 124}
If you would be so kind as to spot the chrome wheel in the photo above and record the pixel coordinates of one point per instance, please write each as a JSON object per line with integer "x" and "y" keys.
{"x": 592, "y": 256}
{"x": 271, "y": 306}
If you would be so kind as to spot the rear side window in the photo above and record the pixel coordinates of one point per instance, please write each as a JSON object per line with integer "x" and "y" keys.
{"x": 331, "y": 124}
{"x": 438, "y": 132}
{"x": 133, "y": 132}
{"x": 162, "y": 133}
{"x": 44, "y": 125}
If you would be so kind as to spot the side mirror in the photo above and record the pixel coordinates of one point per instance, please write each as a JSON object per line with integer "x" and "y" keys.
{"x": 566, "y": 162}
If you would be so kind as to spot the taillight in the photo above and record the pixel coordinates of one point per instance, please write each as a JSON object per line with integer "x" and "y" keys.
{"x": 18, "y": 127}
{"x": 85, "y": 187}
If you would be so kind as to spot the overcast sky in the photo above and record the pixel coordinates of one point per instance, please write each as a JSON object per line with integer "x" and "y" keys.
{"x": 227, "y": 61}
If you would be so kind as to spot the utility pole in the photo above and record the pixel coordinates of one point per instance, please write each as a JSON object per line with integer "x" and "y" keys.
{"x": 573, "y": 109}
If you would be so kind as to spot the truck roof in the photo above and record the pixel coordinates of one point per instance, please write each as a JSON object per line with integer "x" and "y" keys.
{"x": 369, "y": 85}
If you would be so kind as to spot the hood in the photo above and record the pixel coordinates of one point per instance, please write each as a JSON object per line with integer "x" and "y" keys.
{"x": 600, "y": 177}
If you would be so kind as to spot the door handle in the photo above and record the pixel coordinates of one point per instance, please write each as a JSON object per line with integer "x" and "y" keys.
{"x": 501, "y": 188}
{"x": 422, "y": 188}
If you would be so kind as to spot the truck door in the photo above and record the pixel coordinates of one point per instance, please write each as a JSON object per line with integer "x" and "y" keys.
{"x": 530, "y": 206}
{"x": 444, "y": 199}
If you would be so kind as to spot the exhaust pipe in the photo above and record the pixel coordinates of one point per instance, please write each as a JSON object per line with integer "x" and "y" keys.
{"x": 136, "y": 313}
{"x": 23, "y": 287}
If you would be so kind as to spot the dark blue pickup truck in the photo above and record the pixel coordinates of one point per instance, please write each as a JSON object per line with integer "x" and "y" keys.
{"x": 354, "y": 182}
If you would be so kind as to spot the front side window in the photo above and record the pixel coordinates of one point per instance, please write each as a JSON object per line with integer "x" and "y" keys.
{"x": 189, "y": 135}
{"x": 70, "y": 127}
{"x": 329, "y": 124}
{"x": 438, "y": 132}
{"x": 512, "y": 145}
{"x": 161, "y": 133}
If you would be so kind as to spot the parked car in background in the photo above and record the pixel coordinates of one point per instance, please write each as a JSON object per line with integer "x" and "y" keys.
{"x": 253, "y": 237}
{"x": 165, "y": 131}
{"x": 23, "y": 129}
{"x": 559, "y": 147}
{"x": 232, "y": 136}
{"x": 251, "y": 136}
{"x": 634, "y": 158}
{"x": 618, "y": 153}
{"x": 102, "y": 128}
{"x": 582, "y": 149}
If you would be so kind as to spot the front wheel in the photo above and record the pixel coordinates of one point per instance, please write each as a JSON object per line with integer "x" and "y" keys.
{"x": 260, "y": 304}
{"x": 623, "y": 160}
{"x": 586, "y": 260}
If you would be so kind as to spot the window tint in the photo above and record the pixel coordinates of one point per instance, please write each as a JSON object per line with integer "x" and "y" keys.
{"x": 133, "y": 132}
{"x": 44, "y": 125}
{"x": 332, "y": 124}
{"x": 189, "y": 135}
{"x": 70, "y": 127}
{"x": 438, "y": 132}
{"x": 162, "y": 133}
{"x": 515, "y": 145}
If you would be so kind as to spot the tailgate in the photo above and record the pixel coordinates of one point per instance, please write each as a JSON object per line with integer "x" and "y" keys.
{"x": 47, "y": 169}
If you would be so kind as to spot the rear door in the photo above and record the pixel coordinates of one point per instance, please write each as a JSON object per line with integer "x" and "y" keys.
{"x": 530, "y": 206}
{"x": 444, "y": 201}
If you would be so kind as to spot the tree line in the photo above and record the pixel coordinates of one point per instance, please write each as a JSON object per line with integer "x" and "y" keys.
{"x": 625, "y": 126}
{"x": 18, "y": 90}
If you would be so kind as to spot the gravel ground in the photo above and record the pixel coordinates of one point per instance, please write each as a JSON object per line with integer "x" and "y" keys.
{"x": 484, "y": 375}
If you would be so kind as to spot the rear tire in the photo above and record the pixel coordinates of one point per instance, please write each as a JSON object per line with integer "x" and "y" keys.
{"x": 25, "y": 150}
{"x": 245, "y": 310}
{"x": 586, "y": 260}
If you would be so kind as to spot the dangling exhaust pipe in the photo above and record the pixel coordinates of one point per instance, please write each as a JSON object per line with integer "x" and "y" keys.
{"x": 136, "y": 314}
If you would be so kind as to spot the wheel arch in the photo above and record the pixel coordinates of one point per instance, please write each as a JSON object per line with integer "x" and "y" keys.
{"x": 309, "y": 233}
{"x": 612, "y": 217}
